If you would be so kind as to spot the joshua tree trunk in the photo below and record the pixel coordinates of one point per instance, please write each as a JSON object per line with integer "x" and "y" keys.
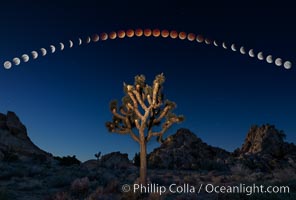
{"x": 143, "y": 163}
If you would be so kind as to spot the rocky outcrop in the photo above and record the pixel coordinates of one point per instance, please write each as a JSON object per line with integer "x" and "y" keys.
{"x": 115, "y": 160}
{"x": 14, "y": 140}
{"x": 184, "y": 150}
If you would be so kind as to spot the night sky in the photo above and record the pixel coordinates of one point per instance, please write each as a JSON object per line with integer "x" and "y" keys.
{"x": 63, "y": 98}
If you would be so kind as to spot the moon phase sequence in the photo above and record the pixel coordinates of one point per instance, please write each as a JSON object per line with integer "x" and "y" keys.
{"x": 173, "y": 34}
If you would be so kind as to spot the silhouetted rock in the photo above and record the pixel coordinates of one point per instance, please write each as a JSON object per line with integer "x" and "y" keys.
{"x": 184, "y": 150}
{"x": 115, "y": 160}
{"x": 14, "y": 141}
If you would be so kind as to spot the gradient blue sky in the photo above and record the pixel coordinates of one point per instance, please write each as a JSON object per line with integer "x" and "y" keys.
{"x": 63, "y": 98}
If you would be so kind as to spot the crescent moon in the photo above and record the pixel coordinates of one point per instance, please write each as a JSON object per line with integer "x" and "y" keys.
{"x": 215, "y": 43}
{"x": 71, "y": 43}
{"x": 43, "y": 51}
{"x": 7, "y": 65}
{"x": 224, "y": 45}
{"x": 62, "y": 46}
{"x": 208, "y": 41}
{"x": 88, "y": 40}
{"x": 52, "y": 48}
{"x": 251, "y": 53}
{"x": 16, "y": 61}
{"x": 287, "y": 65}
{"x": 278, "y": 62}
{"x": 25, "y": 57}
{"x": 34, "y": 54}
{"x": 269, "y": 59}
{"x": 233, "y": 48}
{"x": 80, "y": 41}
{"x": 260, "y": 56}
{"x": 242, "y": 50}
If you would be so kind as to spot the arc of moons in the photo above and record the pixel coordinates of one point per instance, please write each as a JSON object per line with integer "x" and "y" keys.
{"x": 16, "y": 61}
{"x": 52, "y": 48}
{"x": 43, "y": 51}
{"x": 34, "y": 54}
{"x": 173, "y": 34}
{"x": 25, "y": 57}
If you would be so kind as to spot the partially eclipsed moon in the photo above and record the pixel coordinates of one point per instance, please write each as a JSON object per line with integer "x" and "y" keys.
{"x": 200, "y": 38}
{"x": 165, "y": 33}
{"x": 269, "y": 59}
{"x": 224, "y": 45}
{"x": 215, "y": 43}
{"x": 52, "y": 48}
{"x": 88, "y": 40}
{"x": 278, "y": 62}
{"x": 70, "y": 43}
{"x": 43, "y": 51}
{"x": 7, "y": 65}
{"x": 260, "y": 56}
{"x": 287, "y": 65}
{"x": 25, "y": 57}
{"x": 95, "y": 38}
{"x": 251, "y": 53}
{"x": 79, "y": 41}
{"x": 242, "y": 50}
{"x": 208, "y": 41}
{"x": 233, "y": 48}
{"x": 16, "y": 61}
{"x": 62, "y": 46}
{"x": 34, "y": 54}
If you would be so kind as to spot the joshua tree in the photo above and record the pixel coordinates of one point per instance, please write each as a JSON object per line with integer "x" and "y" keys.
{"x": 143, "y": 108}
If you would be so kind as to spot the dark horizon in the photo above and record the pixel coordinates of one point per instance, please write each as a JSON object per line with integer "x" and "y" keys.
{"x": 63, "y": 98}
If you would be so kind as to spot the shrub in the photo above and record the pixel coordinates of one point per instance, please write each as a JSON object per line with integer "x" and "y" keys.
{"x": 68, "y": 160}
{"x": 80, "y": 185}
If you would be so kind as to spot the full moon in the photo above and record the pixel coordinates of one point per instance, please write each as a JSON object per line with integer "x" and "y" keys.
{"x": 269, "y": 59}
{"x": 130, "y": 33}
{"x": 156, "y": 32}
{"x": 191, "y": 36}
{"x": 16, "y": 61}
{"x": 104, "y": 36}
{"x": 242, "y": 50}
{"x": 121, "y": 34}
{"x": 112, "y": 35}
{"x": 287, "y": 65}
{"x": 260, "y": 56}
{"x": 251, "y": 53}
{"x": 34, "y": 54}
{"x": 7, "y": 65}
{"x": 139, "y": 32}
{"x": 25, "y": 57}
{"x": 182, "y": 35}
{"x": 278, "y": 62}
{"x": 147, "y": 32}
{"x": 165, "y": 33}
{"x": 174, "y": 34}
{"x": 52, "y": 48}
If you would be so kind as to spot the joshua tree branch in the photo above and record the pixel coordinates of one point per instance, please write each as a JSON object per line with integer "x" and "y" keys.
{"x": 155, "y": 91}
{"x": 139, "y": 98}
{"x": 117, "y": 114}
{"x": 162, "y": 115}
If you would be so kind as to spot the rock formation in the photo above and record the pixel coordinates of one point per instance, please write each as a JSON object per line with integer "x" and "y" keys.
{"x": 184, "y": 150}
{"x": 14, "y": 140}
